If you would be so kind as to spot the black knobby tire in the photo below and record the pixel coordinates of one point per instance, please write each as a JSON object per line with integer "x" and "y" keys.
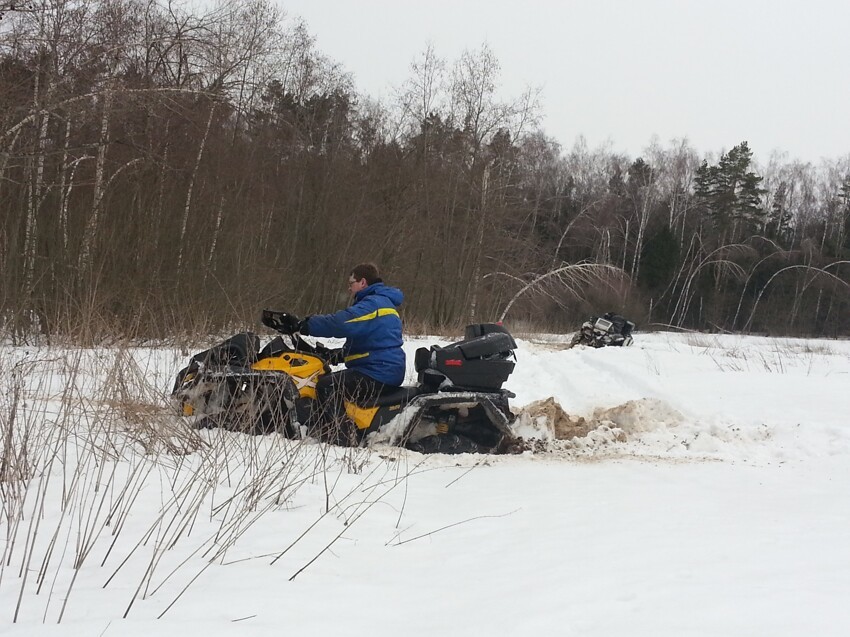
{"x": 280, "y": 395}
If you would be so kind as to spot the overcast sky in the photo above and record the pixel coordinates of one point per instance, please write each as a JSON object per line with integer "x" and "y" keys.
{"x": 775, "y": 73}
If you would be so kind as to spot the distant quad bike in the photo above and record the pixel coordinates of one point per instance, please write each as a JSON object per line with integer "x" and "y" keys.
{"x": 607, "y": 330}
{"x": 458, "y": 405}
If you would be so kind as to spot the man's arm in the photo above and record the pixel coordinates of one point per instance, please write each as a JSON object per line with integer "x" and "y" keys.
{"x": 338, "y": 324}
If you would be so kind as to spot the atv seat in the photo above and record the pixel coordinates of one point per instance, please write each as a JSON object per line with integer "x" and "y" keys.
{"x": 393, "y": 396}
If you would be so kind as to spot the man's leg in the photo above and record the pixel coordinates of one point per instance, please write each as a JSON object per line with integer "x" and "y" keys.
{"x": 332, "y": 392}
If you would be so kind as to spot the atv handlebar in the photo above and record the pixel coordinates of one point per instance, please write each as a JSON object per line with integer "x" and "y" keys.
{"x": 280, "y": 321}
{"x": 288, "y": 325}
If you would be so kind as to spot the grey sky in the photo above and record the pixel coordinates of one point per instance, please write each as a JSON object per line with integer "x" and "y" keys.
{"x": 715, "y": 71}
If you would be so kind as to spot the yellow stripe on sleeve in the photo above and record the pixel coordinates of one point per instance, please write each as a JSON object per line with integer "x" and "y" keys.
{"x": 354, "y": 357}
{"x": 384, "y": 311}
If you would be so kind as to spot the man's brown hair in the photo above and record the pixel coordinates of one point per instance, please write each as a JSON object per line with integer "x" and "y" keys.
{"x": 368, "y": 271}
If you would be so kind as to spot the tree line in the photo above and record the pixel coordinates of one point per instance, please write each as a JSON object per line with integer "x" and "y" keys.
{"x": 164, "y": 168}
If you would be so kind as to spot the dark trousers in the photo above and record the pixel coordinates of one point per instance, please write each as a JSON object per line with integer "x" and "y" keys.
{"x": 330, "y": 422}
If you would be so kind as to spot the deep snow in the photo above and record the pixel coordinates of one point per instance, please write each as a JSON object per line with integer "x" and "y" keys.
{"x": 713, "y": 499}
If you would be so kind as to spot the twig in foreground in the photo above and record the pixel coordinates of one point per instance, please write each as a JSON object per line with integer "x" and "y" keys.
{"x": 443, "y": 528}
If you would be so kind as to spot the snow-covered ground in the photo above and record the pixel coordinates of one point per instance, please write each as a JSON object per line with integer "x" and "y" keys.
{"x": 712, "y": 498}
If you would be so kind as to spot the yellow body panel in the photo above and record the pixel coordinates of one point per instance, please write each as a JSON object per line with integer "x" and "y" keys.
{"x": 308, "y": 391}
{"x": 362, "y": 416}
{"x": 303, "y": 368}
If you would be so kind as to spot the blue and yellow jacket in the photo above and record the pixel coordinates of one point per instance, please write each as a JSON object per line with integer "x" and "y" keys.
{"x": 371, "y": 327}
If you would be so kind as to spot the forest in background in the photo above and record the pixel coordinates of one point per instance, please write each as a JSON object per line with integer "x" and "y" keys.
{"x": 167, "y": 169}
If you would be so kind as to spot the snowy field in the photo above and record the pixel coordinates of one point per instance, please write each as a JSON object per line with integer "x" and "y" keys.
{"x": 710, "y": 497}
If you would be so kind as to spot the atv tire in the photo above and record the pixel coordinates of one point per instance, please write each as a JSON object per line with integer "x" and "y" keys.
{"x": 449, "y": 443}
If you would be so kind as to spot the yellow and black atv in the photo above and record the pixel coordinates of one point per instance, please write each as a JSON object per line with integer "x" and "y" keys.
{"x": 458, "y": 405}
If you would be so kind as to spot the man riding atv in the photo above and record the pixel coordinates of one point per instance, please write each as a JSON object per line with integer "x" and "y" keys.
{"x": 372, "y": 353}
{"x": 457, "y": 404}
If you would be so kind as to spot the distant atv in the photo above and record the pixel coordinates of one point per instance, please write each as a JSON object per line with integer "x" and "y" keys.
{"x": 607, "y": 330}
{"x": 458, "y": 405}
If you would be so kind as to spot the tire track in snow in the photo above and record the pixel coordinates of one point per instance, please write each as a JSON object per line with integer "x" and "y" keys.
{"x": 621, "y": 374}
{"x": 630, "y": 385}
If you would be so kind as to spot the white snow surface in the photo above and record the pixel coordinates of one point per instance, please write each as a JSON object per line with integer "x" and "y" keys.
{"x": 713, "y": 498}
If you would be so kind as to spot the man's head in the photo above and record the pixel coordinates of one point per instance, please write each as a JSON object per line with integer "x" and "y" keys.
{"x": 362, "y": 276}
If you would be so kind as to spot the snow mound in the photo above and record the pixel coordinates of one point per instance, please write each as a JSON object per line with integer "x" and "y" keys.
{"x": 636, "y": 427}
{"x": 638, "y": 416}
{"x": 546, "y": 419}
{"x": 652, "y": 428}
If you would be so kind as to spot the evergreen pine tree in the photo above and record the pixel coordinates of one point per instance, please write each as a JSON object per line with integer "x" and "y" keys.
{"x": 730, "y": 193}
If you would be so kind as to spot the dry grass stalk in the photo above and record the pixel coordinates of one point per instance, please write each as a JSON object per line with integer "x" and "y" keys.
{"x": 79, "y": 463}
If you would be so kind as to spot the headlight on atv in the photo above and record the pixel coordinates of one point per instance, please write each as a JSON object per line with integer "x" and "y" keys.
{"x": 188, "y": 410}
